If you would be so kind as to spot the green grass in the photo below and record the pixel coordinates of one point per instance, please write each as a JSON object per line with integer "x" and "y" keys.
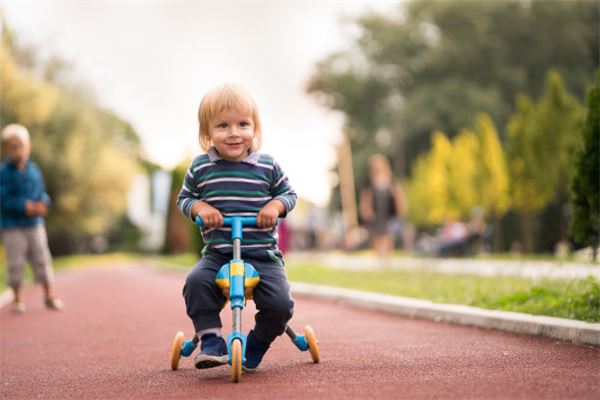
{"x": 574, "y": 299}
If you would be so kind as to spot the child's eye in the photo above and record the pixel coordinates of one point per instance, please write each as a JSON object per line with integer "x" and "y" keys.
{"x": 244, "y": 123}
{"x": 222, "y": 125}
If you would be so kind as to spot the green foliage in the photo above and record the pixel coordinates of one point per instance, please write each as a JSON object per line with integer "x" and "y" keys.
{"x": 460, "y": 174}
{"x": 492, "y": 178}
{"x": 579, "y": 300}
{"x": 429, "y": 190}
{"x": 88, "y": 154}
{"x": 585, "y": 186}
{"x": 182, "y": 235}
{"x": 124, "y": 236}
{"x": 463, "y": 168}
{"x": 542, "y": 139}
{"x": 434, "y": 65}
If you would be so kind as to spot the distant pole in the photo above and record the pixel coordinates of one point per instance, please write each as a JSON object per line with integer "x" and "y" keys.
{"x": 347, "y": 191}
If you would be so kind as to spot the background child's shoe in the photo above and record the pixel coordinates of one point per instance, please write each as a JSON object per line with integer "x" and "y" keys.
{"x": 54, "y": 303}
{"x": 213, "y": 352}
{"x": 19, "y": 308}
{"x": 255, "y": 351}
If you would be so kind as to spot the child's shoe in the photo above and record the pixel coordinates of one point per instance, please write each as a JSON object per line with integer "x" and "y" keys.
{"x": 18, "y": 308}
{"x": 213, "y": 352}
{"x": 54, "y": 303}
{"x": 255, "y": 351}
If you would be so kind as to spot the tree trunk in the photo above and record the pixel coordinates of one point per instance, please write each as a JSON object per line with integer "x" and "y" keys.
{"x": 527, "y": 231}
{"x": 347, "y": 189}
{"x": 497, "y": 234}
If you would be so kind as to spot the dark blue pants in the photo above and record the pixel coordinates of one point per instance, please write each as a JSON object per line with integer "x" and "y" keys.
{"x": 204, "y": 299}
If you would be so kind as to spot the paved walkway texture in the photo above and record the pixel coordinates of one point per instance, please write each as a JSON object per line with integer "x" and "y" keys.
{"x": 113, "y": 340}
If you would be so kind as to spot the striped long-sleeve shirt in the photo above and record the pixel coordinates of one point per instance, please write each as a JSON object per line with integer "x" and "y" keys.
{"x": 236, "y": 189}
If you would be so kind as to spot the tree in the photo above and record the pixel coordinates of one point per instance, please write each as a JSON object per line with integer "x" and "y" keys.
{"x": 88, "y": 154}
{"x": 460, "y": 174}
{"x": 463, "y": 169}
{"x": 585, "y": 185}
{"x": 428, "y": 190}
{"x": 542, "y": 138}
{"x": 434, "y": 65}
{"x": 492, "y": 180}
{"x": 437, "y": 64}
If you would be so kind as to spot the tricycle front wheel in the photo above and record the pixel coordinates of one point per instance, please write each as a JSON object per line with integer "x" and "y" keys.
{"x": 236, "y": 360}
{"x": 176, "y": 350}
{"x": 313, "y": 343}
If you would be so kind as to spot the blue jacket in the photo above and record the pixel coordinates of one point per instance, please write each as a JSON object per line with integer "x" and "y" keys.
{"x": 15, "y": 188}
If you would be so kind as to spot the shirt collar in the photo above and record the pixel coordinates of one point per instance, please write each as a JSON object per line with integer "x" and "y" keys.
{"x": 252, "y": 158}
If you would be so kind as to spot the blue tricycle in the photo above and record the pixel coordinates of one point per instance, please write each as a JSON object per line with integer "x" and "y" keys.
{"x": 237, "y": 279}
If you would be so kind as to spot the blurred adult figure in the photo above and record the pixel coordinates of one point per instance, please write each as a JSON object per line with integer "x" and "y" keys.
{"x": 382, "y": 205}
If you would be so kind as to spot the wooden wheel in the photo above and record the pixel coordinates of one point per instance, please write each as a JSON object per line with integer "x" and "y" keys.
{"x": 313, "y": 343}
{"x": 236, "y": 360}
{"x": 176, "y": 350}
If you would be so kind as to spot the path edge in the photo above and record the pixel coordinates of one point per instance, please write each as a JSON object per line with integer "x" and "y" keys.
{"x": 556, "y": 328}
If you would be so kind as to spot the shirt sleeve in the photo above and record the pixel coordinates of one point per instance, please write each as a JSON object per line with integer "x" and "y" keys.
{"x": 41, "y": 186}
{"x": 188, "y": 195}
{"x": 282, "y": 190}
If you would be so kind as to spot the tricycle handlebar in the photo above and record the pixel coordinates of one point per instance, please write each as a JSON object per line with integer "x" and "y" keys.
{"x": 230, "y": 221}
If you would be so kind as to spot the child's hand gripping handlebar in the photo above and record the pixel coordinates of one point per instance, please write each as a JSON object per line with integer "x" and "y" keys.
{"x": 236, "y": 224}
{"x": 229, "y": 221}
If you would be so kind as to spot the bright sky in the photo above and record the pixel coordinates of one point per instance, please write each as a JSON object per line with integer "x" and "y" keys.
{"x": 151, "y": 62}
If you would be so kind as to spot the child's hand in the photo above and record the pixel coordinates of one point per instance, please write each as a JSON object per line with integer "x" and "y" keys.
{"x": 35, "y": 208}
{"x": 268, "y": 215}
{"x": 211, "y": 217}
{"x": 42, "y": 208}
{"x": 30, "y": 208}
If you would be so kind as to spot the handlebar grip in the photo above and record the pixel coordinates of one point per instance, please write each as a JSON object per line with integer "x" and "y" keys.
{"x": 229, "y": 221}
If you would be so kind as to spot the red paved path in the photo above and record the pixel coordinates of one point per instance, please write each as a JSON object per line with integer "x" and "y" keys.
{"x": 114, "y": 338}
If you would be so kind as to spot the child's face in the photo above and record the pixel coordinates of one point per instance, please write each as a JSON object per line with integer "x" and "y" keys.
{"x": 17, "y": 151}
{"x": 232, "y": 134}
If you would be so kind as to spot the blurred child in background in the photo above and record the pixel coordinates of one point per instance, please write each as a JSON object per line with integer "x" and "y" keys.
{"x": 24, "y": 204}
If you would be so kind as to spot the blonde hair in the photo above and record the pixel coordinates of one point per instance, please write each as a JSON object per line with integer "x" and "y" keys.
{"x": 226, "y": 97}
{"x": 16, "y": 130}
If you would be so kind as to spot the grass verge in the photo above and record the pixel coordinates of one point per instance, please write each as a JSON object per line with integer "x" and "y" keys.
{"x": 574, "y": 299}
